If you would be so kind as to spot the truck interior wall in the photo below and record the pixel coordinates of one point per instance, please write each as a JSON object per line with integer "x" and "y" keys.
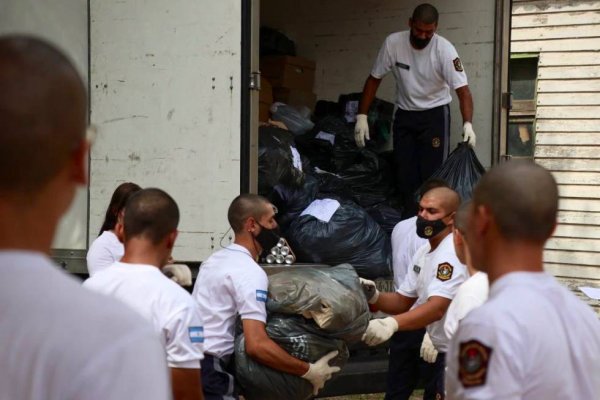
{"x": 165, "y": 94}
{"x": 344, "y": 36}
{"x": 65, "y": 24}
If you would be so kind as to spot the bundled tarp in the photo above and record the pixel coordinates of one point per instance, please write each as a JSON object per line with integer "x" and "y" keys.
{"x": 297, "y": 122}
{"x": 332, "y": 297}
{"x": 461, "y": 170}
{"x": 344, "y": 233}
{"x": 278, "y": 160}
{"x": 335, "y": 303}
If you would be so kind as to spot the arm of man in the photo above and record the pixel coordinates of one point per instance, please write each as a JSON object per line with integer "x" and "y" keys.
{"x": 187, "y": 383}
{"x": 263, "y": 349}
{"x": 394, "y": 303}
{"x": 466, "y": 103}
{"x": 368, "y": 94}
{"x": 419, "y": 317}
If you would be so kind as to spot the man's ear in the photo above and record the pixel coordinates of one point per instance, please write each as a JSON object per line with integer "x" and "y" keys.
{"x": 250, "y": 225}
{"x": 120, "y": 230}
{"x": 483, "y": 220}
{"x": 171, "y": 238}
{"x": 79, "y": 162}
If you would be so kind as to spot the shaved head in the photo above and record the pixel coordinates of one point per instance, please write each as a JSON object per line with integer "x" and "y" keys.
{"x": 523, "y": 199}
{"x": 426, "y": 13}
{"x": 150, "y": 213}
{"x": 42, "y": 113}
{"x": 445, "y": 198}
{"x": 245, "y": 206}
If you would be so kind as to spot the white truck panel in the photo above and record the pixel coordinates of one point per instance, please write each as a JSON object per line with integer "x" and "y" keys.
{"x": 165, "y": 94}
{"x": 64, "y": 23}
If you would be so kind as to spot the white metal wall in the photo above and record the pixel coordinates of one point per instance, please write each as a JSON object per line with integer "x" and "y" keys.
{"x": 166, "y": 97}
{"x": 344, "y": 36}
{"x": 64, "y": 23}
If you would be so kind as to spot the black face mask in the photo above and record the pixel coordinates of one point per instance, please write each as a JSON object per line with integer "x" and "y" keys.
{"x": 428, "y": 229}
{"x": 419, "y": 43}
{"x": 268, "y": 238}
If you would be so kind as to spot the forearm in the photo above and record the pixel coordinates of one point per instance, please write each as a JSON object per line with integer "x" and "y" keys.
{"x": 368, "y": 94}
{"x": 270, "y": 354}
{"x": 186, "y": 384}
{"x": 394, "y": 303}
{"x": 466, "y": 103}
{"x": 423, "y": 315}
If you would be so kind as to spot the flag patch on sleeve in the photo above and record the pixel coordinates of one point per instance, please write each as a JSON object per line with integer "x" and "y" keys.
{"x": 261, "y": 295}
{"x": 196, "y": 334}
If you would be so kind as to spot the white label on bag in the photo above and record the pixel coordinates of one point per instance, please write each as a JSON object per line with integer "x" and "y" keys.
{"x": 322, "y": 209}
{"x": 296, "y": 159}
{"x": 330, "y": 137}
{"x": 351, "y": 111}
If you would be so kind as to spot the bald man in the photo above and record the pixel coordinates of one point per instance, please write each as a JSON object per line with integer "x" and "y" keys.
{"x": 430, "y": 285}
{"x": 532, "y": 339}
{"x": 57, "y": 339}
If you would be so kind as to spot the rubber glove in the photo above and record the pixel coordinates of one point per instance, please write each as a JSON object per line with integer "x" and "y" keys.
{"x": 380, "y": 330}
{"x": 320, "y": 372}
{"x": 370, "y": 290}
{"x": 469, "y": 134}
{"x": 361, "y": 130}
{"x": 428, "y": 351}
{"x": 179, "y": 273}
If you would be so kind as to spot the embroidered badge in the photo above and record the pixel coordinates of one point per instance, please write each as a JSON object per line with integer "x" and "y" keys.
{"x": 458, "y": 65}
{"x": 417, "y": 269}
{"x": 444, "y": 272}
{"x": 196, "y": 334}
{"x": 261, "y": 295}
{"x": 428, "y": 231}
{"x": 473, "y": 360}
{"x": 436, "y": 142}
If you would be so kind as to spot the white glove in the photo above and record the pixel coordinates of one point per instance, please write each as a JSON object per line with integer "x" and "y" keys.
{"x": 361, "y": 130}
{"x": 469, "y": 134}
{"x": 428, "y": 351}
{"x": 180, "y": 273}
{"x": 380, "y": 330}
{"x": 320, "y": 372}
{"x": 370, "y": 290}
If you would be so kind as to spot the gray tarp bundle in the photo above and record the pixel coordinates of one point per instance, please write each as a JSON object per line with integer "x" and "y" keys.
{"x": 335, "y": 297}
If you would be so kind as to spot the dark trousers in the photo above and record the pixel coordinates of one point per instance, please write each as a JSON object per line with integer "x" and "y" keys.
{"x": 421, "y": 143}
{"x": 217, "y": 382}
{"x": 406, "y": 368}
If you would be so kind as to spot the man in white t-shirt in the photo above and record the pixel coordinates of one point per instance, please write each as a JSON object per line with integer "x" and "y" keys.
{"x": 426, "y": 67}
{"x": 533, "y": 338}
{"x": 148, "y": 232}
{"x": 430, "y": 286}
{"x": 58, "y": 341}
{"x": 232, "y": 284}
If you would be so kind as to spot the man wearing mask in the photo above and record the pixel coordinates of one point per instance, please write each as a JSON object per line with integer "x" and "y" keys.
{"x": 231, "y": 283}
{"x": 430, "y": 285}
{"x": 426, "y": 67}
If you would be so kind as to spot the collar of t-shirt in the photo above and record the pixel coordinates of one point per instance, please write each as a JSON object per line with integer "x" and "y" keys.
{"x": 442, "y": 245}
{"x": 136, "y": 267}
{"x": 237, "y": 248}
{"x": 517, "y": 278}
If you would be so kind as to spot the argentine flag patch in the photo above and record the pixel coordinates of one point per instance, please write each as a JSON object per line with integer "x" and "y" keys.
{"x": 196, "y": 334}
{"x": 261, "y": 295}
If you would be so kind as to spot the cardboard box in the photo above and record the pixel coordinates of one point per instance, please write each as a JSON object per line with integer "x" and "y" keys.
{"x": 289, "y": 72}
{"x": 295, "y": 97}
{"x": 265, "y": 97}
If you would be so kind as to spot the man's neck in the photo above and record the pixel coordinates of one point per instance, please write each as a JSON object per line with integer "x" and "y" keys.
{"x": 435, "y": 241}
{"x": 248, "y": 242}
{"x": 25, "y": 229}
{"x": 517, "y": 256}
{"x": 142, "y": 251}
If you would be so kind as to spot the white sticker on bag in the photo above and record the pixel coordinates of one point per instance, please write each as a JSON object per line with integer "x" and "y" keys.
{"x": 296, "y": 159}
{"x": 322, "y": 209}
{"x": 330, "y": 137}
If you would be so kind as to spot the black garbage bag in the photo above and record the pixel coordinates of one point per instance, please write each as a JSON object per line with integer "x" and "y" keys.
{"x": 331, "y": 296}
{"x": 300, "y": 337}
{"x": 350, "y": 236}
{"x": 275, "y": 43}
{"x": 291, "y": 201}
{"x": 379, "y": 117}
{"x": 386, "y": 216}
{"x": 370, "y": 178}
{"x": 331, "y": 184}
{"x": 276, "y": 160}
{"x": 461, "y": 170}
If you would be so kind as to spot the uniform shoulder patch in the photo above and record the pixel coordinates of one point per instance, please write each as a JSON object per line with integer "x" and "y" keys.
{"x": 458, "y": 65}
{"x": 473, "y": 360}
{"x": 444, "y": 272}
{"x": 261, "y": 295}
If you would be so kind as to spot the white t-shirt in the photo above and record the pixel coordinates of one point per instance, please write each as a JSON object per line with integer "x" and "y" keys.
{"x": 405, "y": 243}
{"x": 230, "y": 283}
{"x": 470, "y": 295}
{"x": 423, "y": 77}
{"x": 532, "y": 339}
{"x": 435, "y": 273}
{"x": 173, "y": 312}
{"x": 59, "y": 341}
{"x": 104, "y": 252}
